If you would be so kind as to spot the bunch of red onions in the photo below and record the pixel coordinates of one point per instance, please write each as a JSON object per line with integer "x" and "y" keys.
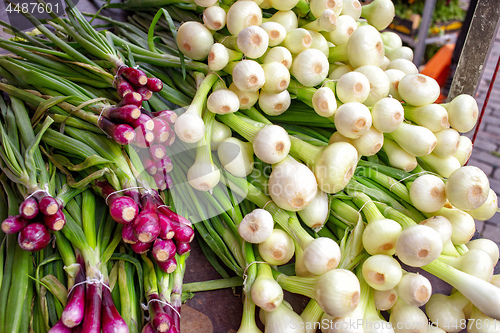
{"x": 38, "y": 214}
{"x": 124, "y": 121}
{"x": 82, "y": 313}
{"x": 148, "y": 224}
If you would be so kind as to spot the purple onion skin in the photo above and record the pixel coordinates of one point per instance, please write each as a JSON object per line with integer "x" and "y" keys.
{"x": 160, "y": 181}
{"x": 145, "y": 121}
{"x": 163, "y": 249}
{"x": 111, "y": 322}
{"x": 174, "y": 217}
{"x": 123, "y": 134}
{"x": 14, "y": 224}
{"x": 128, "y": 234}
{"x": 149, "y": 166}
{"x": 161, "y": 322}
{"x": 169, "y": 181}
{"x": 34, "y": 237}
{"x": 148, "y": 328}
{"x": 168, "y": 115}
{"x": 143, "y": 137}
{"x": 161, "y": 130}
{"x": 123, "y": 87}
{"x": 48, "y": 205}
{"x": 154, "y": 84}
{"x": 135, "y": 76}
{"x": 145, "y": 93}
{"x": 123, "y": 114}
{"x": 123, "y": 209}
{"x": 93, "y": 299}
{"x": 146, "y": 226}
{"x": 132, "y": 98}
{"x": 59, "y": 327}
{"x": 29, "y": 208}
{"x": 165, "y": 165}
{"x": 167, "y": 266}
{"x": 157, "y": 152}
{"x": 55, "y": 222}
{"x": 166, "y": 228}
{"x": 183, "y": 233}
{"x": 140, "y": 247}
{"x": 183, "y": 248}
{"x": 74, "y": 310}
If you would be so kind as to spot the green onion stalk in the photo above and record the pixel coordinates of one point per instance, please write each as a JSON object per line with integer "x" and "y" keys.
{"x": 17, "y": 265}
{"x": 40, "y": 212}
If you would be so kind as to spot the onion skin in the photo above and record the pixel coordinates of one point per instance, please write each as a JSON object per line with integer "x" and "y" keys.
{"x": 123, "y": 209}
{"x": 59, "y": 327}
{"x": 34, "y": 237}
{"x": 140, "y": 247}
{"x": 74, "y": 310}
{"x": 93, "y": 301}
{"x": 163, "y": 249}
{"x": 112, "y": 322}
{"x": 55, "y": 222}
{"x": 14, "y": 224}
{"x": 29, "y": 208}
{"x": 146, "y": 226}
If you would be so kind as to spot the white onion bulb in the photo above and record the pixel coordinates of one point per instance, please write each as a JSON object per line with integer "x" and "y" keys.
{"x": 292, "y": 185}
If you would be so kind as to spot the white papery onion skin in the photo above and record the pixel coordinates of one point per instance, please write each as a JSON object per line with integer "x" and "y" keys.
{"x": 316, "y": 213}
{"x": 418, "y": 89}
{"x": 351, "y": 8}
{"x": 463, "y": 113}
{"x": 464, "y": 150}
{"x": 256, "y": 226}
{"x": 418, "y": 245}
{"x": 416, "y": 140}
{"x": 444, "y": 166}
{"x": 236, "y": 156}
{"x": 398, "y": 157}
{"x": 280, "y": 54}
{"x": 353, "y": 87}
{"x": 447, "y": 142}
{"x": 382, "y": 272}
{"x": 379, "y": 236}
{"x": 286, "y": 18}
{"x": 274, "y": 104}
{"x": 253, "y": 41}
{"x": 463, "y": 224}
{"x": 341, "y": 34}
{"x": 278, "y": 248}
{"x": 427, "y": 193}
{"x": 310, "y": 67}
{"x": 467, "y": 188}
{"x": 441, "y": 309}
{"x": 408, "y": 319}
{"x": 338, "y": 292}
{"x": 335, "y": 167}
{"x": 214, "y": 18}
{"x": 385, "y": 299}
{"x": 488, "y": 209}
{"x": 321, "y": 255}
{"x": 379, "y": 83}
{"x": 223, "y": 101}
{"x": 365, "y": 47}
{"x": 220, "y": 132}
{"x": 247, "y": 98}
{"x": 248, "y": 75}
{"x": 404, "y": 65}
{"x": 276, "y": 32}
{"x": 486, "y": 245}
{"x": 277, "y": 77}
{"x": 353, "y": 120}
{"x": 369, "y": 143}
{"x": 324, "y": 102}
{"x": 394, "y": 76}
{"x": 415, "y": 289}
{"x": 292, "y": 185}
{"x": 387, "y": 115}
{"x": 194, "y": 40}
{"x": 243, "y": 14}
{"x": 218, "y": 58}
{"x": 272, "y": 144}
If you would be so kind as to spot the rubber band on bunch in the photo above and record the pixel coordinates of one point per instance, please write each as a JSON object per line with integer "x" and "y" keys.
{"x": 119, "y": 191}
